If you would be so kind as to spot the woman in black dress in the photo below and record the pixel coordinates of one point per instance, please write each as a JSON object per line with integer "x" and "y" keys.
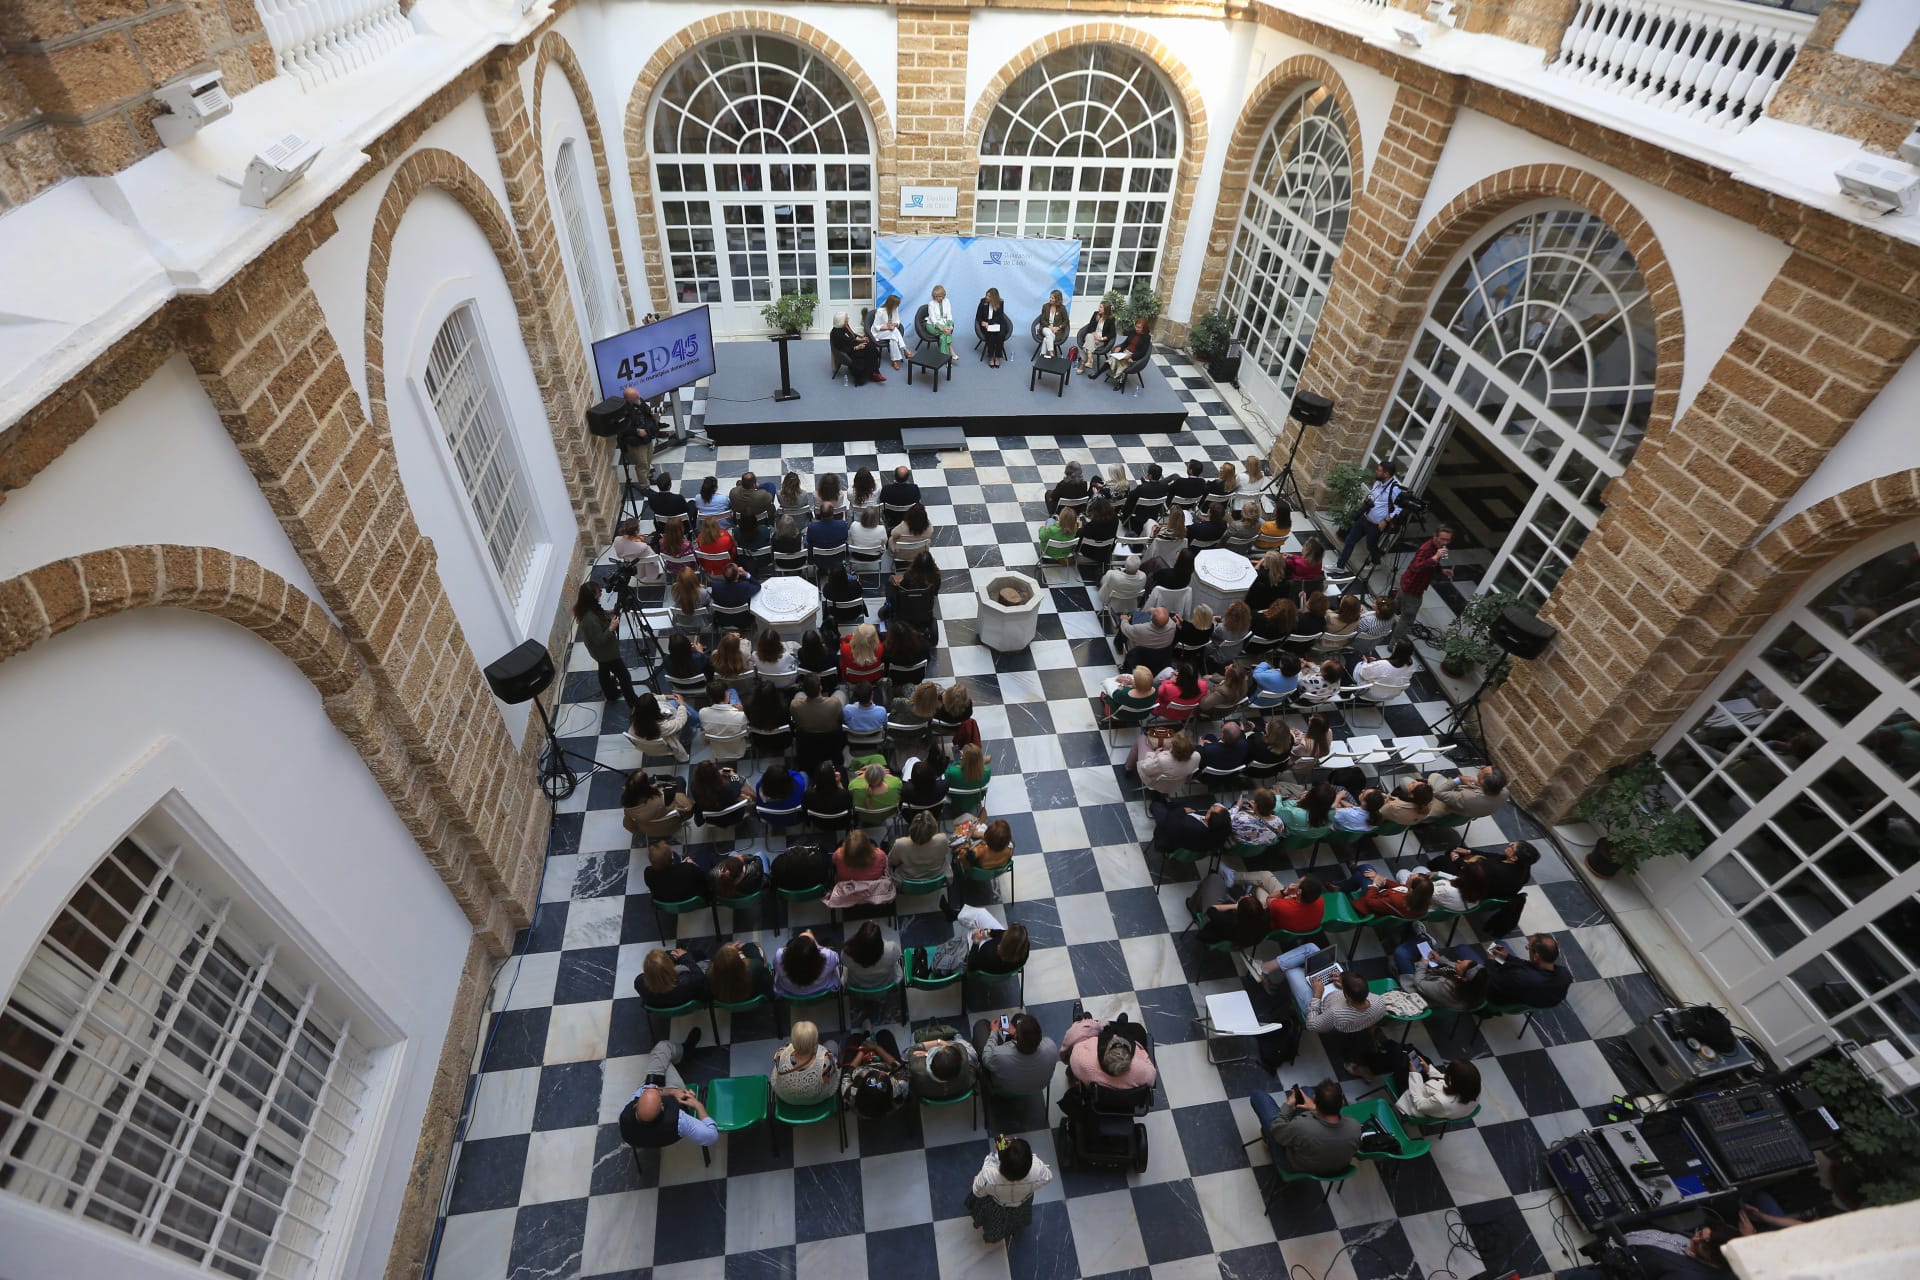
{"x": 861, "y": 355}
{"x": 990, "y": 322}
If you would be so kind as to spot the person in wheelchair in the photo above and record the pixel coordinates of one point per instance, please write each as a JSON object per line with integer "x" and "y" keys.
{"x": 1110, "y": 1076}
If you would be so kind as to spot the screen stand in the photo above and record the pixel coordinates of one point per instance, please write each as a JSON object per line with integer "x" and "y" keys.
{"x": 786, "y": 391}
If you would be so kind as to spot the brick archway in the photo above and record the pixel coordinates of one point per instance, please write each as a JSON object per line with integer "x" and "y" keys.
{"x": 684, "y": 41}
{"x": 555, "y": 51}
{"x": 57, "y": 597}
{"x": 433, "y": 169}
{"x": 1193, "y": 119}
{"x": 1256, "y": 117}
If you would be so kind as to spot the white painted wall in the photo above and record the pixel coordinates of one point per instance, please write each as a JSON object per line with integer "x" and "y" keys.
{"x": 124, "y": 711}
{"x": 1881, "y": 443}
{"x": 157, "y": 467}
{"x": 561, "y": 123}
{"x": 1720, "y": 265}
{"x": 337, "y": 270}
{"x": 610, "y": 77}
{"x": 441, "y": 259}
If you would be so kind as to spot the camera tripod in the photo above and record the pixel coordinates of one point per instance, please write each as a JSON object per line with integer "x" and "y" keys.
{"x": 557, "y": 777}
{"x": 1463, "y": 720}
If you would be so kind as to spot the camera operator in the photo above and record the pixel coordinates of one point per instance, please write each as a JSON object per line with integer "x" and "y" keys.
{"x": 1429, "y": 562}
{"x": 638, "y": 429}
{"x": 1383, "y": 503}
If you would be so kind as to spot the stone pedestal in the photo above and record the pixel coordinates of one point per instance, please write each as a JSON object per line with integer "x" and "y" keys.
{"x": 1219, "y": 578}
{"x": 1009, "y": 627}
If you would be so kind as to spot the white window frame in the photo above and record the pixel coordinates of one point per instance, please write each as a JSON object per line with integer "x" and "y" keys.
{"x": 1070, "y": 204}
{"x": 1298, "y": 203}
{"x": 591, "y": 280}
{"x": 776, "y": 214}
{"x": 515, "y": 593}
{"x": 1445, "y": 383}
{"x": 1696, "y": 896}
{"x": 118, "y": 1023}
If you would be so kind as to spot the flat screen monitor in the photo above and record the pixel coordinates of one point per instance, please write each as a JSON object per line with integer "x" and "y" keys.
{"x": 657, "y": 358}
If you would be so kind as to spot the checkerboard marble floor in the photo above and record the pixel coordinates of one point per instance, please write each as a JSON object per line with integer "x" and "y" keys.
{"x": 543, "y": 1187}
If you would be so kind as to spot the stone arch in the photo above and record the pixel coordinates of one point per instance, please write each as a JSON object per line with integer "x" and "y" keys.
{"x": 56, "y": 597}
{"x": 433, "y": 169}
{"x": 1249, "y": 131}
{"x": 1483, "y": 206}
{"x": 676, "y": 46}
{"x": 1193, "y": 117}
{"x": 555, "y": 50}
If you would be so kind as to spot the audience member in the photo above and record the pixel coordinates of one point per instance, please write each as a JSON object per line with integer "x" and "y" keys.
{"x": 672, "y": 877}
{"x": 923, "y": 852}
{"x": 1018, "y": 1057}
{"x": 940, "y": 1067}
{"x": 1539, "y": 981}
{"x": 981, "y": 844}
{"x": 827, "y": 793}
{"x": 1226, "y": 752}
{"x": 874, "y": 788}
{"x": 747, "y": 498}
{"x": 663, "y": 1111}
{"x": 899, "y": 495}
{"x": 870, "y": 958}
{"x": 805, "y": 1071}
{"x": 738, "y": 973}
{"x": 1168, "y": 768}
{"x": 1121, "y": 588}
{"x": 669, "y": 979}
{"x": 1108, "y": 1053}
{"x": 738, "y": 875}
{"x": 805, "y": 968}
{"x": 1479, "y": 795}
{"x": 1001, "y": 1200}
{"x": 802, "y": 866}
{"x": 775, "y": 660}
{"x": 1309, "y": 1134}
{"x": 653, "y": 808}
{"x": 819, "y": 721}
{"x": 858, "y": 858}
{"x": 1256, "y": 818}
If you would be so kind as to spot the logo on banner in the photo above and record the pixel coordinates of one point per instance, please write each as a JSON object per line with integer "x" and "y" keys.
{"x": 917, "y": 200}
{"x": 654, "y": 362}
{"x": 993, "y": 259}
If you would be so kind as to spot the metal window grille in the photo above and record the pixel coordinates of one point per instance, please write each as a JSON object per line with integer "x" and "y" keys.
{"x": 159, "y": 1076}
{"x": 586, "y": 266}
{"x": 461, "y": 385}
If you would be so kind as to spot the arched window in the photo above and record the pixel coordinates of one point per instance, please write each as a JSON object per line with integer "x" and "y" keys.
{"x": 1542, "y": 344}
{"x": 171, "y": 1075}
{"x": 1083, "y": 144}
{"x": 465, "y": 393}
{"x": 582, "y": 244}
{"x": 1802, "y": 763}
{"x": 1299, "y": 196}
{"x": 764, "y": 164}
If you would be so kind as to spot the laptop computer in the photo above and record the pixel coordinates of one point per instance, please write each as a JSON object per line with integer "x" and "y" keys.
{"x": 1323, "y": 964}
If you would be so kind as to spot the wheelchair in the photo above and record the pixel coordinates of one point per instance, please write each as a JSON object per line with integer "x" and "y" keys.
{"x": 1100, "y": 1126}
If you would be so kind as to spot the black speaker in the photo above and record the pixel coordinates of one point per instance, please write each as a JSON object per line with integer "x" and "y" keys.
{"x": 1519, "y": 633}
{"x": 1310, "y": 409}
{"x": 607, "y": 417}
{"x": 521, "y": 674}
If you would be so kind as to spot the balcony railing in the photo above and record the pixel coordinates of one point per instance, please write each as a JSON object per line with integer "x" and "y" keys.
{"x": 1708, "y": 60}
{"x": 315, "y": 41}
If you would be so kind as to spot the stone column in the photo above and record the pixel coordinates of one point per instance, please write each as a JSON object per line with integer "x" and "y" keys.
{"x": 560, "y": 360}
{"x": 1350, "y": 360}
{"x": 269, "y": 364}
{"x": 931, "y": 139}
{"x": 1644, "y": 614}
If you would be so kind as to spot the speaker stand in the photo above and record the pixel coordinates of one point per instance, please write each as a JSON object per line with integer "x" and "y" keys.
{"x": 1457, "y": 721}
{"x": 557, "y": 777}
{"x": 1285, "y": 481}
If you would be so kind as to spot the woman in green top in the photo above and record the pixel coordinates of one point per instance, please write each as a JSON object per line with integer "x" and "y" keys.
{"x": 599, "y": 632}
{"x": 874, "y": 788}
{"x": 1059, "y": 536}
{"x": 971, "y": 771}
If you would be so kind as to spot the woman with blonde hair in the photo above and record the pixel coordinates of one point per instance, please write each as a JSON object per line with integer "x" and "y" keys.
{"x": 940, "y": 320}
{"x": 1053, "y": 324}
{"x": 805, "y": 1072}
{"x": 1166, "y": 769}
{"x": 1269, "y": 582}
{"x": 729, "y": 660}
{"x": 674, "y": 548}
{"x": 1059, "y": 537}
{"x": 689, "y": 595}
{"x": 791, "y": 498}
{"x": 861, "y": 655}
{"x": 1132, "y": 697}
{"x": 972, "y": 770}
{"x": 669, "y": 979}
{"x": 1227, "y": 485}
{"x": 1343, "y": 625}
{"x": 1229, "y": 691}
{"x": 1230, "y": 639}
{"x": 923, "y": 852}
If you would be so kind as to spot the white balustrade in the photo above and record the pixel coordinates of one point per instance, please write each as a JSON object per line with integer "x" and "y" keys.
{"x": 1716, "y": 61}
{"x": 315, "y": 41}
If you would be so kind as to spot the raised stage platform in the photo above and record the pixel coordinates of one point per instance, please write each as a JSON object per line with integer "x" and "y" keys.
{"x": 980, "y": 401}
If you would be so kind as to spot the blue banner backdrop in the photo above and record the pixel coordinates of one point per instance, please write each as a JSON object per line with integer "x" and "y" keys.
{"x": 1025, "y": 271}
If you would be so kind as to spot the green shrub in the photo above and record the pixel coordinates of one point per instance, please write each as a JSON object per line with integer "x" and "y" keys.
{"x": 1212, "y": 334}
{"x": 791, "y": 312}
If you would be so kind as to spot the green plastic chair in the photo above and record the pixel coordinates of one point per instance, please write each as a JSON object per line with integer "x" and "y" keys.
{"x": 684, "y": 907}
{"x": 679, "y": 1010}
{"x": 796, "y": 1116}
{"x": 1380, "y": 987}
{"x": 1381, "y": 1111}
{"x": 879, "y": 995}
{"x": 790, "y": 898}
{"x": 915, "y": 889}
{"x": 971, "y": 1097}
{"x": 736, "y": 1102}
{"x": 917, "y": 982}
{"x": 961, "y": 801}
{"x": 737, "y": 1006}
{"x": 752, "y": 901}
{"x": 1340, "y": 917}
{"x": 987, "y": 875}
{"x": 995, "y": 1092}
{"x": 1020, "y": 1001}
{"x": 1438, "y": 1128}
{"x": 1308, "y": 838}
{"x": 1189, "y": 857}
{"x": 1328, "y": 1181}
{"x": 790, "y": 1005}
{"x": 1492, "y": 1010}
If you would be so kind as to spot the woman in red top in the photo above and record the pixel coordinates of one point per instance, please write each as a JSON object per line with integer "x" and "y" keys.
{"x": 1180, "y": 696}
{"x": 715, "y": 547}
{"x": 1307, "y": 564}
{"x": 861, "y": 655}
{"x": 1385, "y": 898}
{"x": 1298, "y": 908}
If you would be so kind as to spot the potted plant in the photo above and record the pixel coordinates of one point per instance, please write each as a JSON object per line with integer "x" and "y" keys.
{"x": 1636, "y": 821}
{"x": 1211, "y": 339}
{"x": 1872, "y": 1162}
{"x": 791, "y": 312}
{"x": 1468, "y": 640}
{"x": 1130, "y": 306}
{"x": 1347, "y": 485}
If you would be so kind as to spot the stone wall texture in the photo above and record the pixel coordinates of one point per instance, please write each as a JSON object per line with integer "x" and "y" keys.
{"x": 1829, "y": 91}
{"x": 933, "y": 142}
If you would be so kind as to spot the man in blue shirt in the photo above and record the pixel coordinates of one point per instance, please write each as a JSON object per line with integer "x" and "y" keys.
{"x": 659, "y": 1115}
{"x": 827, "y": 535}
{"x": 1383, "y": 503}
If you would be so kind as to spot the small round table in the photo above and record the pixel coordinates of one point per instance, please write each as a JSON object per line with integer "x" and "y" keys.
{"x": 787, "y": 604}
{"x": 1220, "y": 577}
